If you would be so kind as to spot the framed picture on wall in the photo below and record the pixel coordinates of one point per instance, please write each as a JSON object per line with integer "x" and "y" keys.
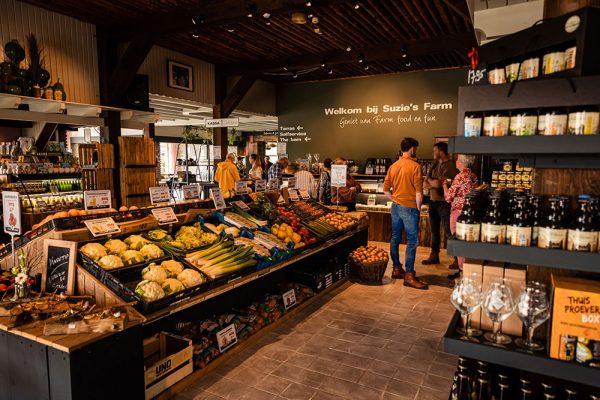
{"x": 180, "y": 76}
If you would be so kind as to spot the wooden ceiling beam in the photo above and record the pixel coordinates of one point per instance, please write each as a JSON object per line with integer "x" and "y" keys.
{"x": 415, "y": 48}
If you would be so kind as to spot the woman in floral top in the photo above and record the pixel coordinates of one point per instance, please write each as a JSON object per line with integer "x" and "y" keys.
{"x": 462, "y": 184}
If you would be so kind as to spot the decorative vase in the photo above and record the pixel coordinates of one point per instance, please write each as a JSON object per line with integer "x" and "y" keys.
{"x": 22, "y": 290}
{"x": 44, "y": 78}
{"x": 14, "y": 51}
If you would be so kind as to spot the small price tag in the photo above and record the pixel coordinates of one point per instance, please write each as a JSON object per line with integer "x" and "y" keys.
{"x": 328, "y": 280}
{"x": 274, "y": 184}
{"x": 241, "y": 187}
{"x": 293, "y": 193}
{"x": 372, "y": 200}
{"x": 304, "y": 194}
{"x": 191, "y": 192}
{"x": 292, "y": 183}
{"x": 159, "y": 194}
{"x": 241, "y": 205}
{"x": 218, "y": 199}
{"x": 289, "y": 299}
{"x": 97, "y": 199}
{"x": 226, "y": 338}
{"x": 260, "y": 185}
{"x": 11, "y": 207}
{"x": 102, "y": 226}
{"x": 165, "y": 215}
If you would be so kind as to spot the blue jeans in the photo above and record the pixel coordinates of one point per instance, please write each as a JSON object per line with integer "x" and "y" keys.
{"x": 404, "y": 218}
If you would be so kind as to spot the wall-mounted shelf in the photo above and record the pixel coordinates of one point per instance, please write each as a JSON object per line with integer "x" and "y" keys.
{"x": 512, "y": 357}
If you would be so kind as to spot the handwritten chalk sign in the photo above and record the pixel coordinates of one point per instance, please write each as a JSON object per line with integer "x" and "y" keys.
{"x": 58, "y": 272}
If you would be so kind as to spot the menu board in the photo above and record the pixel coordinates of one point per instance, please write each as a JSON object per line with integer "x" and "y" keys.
{"x": 159, "y": 194}
{"x": 191, "y": 192}
{"x": 97, "y": 199}
{"x": 11, "y": 208}
{"x": 218, "y": 199}
{"x": 260, "y": 185}
{"x": 58, "y": 273}
{"x": 165, "y": 215}
{"x": 241, "y": 187}
{"x": 338, "y": 175}
{"x": 102, "y": 226}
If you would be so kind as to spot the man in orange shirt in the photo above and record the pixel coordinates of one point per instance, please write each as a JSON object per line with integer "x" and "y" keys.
{"x": 404, "y": 187}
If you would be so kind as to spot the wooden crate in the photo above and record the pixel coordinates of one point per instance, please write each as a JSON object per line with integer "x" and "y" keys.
{"x": 136, "y": 151}
{"x": 103, "y": 154}
{"x": 137, "y": 170}
{"x": 86, "y": 284}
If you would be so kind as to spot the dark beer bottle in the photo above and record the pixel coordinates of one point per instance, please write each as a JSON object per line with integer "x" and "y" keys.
{"x": 553, "y": 231}
{"x": 583, "y": 235}
{"x": 493, "y": 226}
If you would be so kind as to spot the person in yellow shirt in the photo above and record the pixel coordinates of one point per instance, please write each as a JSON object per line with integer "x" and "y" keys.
{"x": 226, "y": 174}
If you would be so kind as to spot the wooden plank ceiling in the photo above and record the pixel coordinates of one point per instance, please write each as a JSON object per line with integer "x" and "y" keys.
{"x": 377, "y": 37}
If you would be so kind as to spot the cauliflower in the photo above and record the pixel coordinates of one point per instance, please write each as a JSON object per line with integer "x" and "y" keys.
{"x": 190, "y": 277}
{"x": 115, "y": 246}
{"x": 172, "y": 267}
{"x": 110, "y": 262}
{"x": 154, "y": 273}
{"x": 151, "y": 251}
{"x": 136, "y": 242}
{"x": 171, "y": 286}
{"x": 131, "y": 257}
{"x": 95, "y": 251}
{"x": 149, "y": 291}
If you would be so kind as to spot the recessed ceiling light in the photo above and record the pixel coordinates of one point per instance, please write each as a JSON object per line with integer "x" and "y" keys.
{"x": 309, "y": 14}
{"x": 285, "y": 68}
{"x": 356, "y": 5}
{"x": 252, "y": 10}
{"x": 299, "y": 18}
{"x": 407, "y": 63}
{"x": 266, "y": 15}
{"x": 268, "y": 22}
{"x": 349, "y": 48}
{"x": 361, "y": 58}
{"x": 308, "y": 4}
{"x": 314, "y": 20}
{"x": 404, "y": 52}
{"x": 230, "y": 29}
{"x": 317, "y": 30}
{"x": 295, "y": 75}
{"x": 367, "y": 67}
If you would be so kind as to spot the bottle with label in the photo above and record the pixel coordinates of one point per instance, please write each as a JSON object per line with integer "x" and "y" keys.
{"x": 59, "y": 91}
{"x": 468, "y": 225}
{"x": 535, "y": 213}
{"x": 552, "y": 232}
{"x": 369, "y": 168}
{"x": 493, "y": 225}
{"x": 583, "y": 235}
{"x": 519, "y": 228}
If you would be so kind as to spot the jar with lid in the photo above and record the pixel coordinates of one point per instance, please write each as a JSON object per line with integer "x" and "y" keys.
{"x": 519, "y": 228}
{"x": 584, "y": 121}
{"x": 468, "y": 225}
{"x": 493, "y": 226}
{"x": 473, "y": 124}
{"x": 552, "y": 122}
{"x": 496, "y": 123}
{"x": 523, "y": 123}
{"x": 553, "y": 230}
{"x": 534, "y": 204}
{"x": 583, "y": 234}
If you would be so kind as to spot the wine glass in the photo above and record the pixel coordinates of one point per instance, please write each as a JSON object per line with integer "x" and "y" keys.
{"x": 498, "y": 305}
{"x": 467, "y": 298}
{"x": 316, "y": 157}
{"x": 533, "y": 309}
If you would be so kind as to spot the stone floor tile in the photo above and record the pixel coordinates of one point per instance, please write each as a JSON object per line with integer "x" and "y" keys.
{"x": 352, "y": 337}
{"x": 398, "y": 346}
{"x": 416, "y": 363}
{"x": 348, "y": 389}
{"x": 443, "y": 370}
{"x": 430, "y": 394}
{"x": 349, "y": 373}
{"x": 374, "y": 381}
{"x": 391, "y": 356}
{"x": 409, "y": 375}
{"x": 319, "y": 395}
{"x": 297, "y": 391}
{"x": 301, "y": 360}
{"x": 324, "y": 366}
{"x": 273, "y": 384}
{"x": 375, "y": 341}
{"x": 391, "y": 396}
{"x": 383, "y": 368}
{"x": 381, "y": 333}
{"x": 437, "y": 382}
{"x": 446, "y": 358}
{"x": 402, "y": 388}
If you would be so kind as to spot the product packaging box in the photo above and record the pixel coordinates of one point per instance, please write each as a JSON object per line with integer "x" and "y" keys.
{"x": 575, "y": 332}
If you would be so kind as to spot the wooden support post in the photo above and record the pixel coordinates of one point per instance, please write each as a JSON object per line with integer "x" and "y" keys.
{"x": 112, "y": 131}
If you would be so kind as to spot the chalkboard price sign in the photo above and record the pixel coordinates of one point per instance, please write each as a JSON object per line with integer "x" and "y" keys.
{"x": 58, "y": 274}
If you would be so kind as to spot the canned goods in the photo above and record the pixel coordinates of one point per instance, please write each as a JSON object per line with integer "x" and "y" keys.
{"x": 473, "y": 125}
{"x": 553, "y": 62}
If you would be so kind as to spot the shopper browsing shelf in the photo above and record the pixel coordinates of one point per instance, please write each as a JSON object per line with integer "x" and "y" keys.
{"x": 266, "y": 167}
{"x": 346, "y": 195}
{"x": 305, "y": 180}
{"x": 403, "y": 186}
{"x": 256, "y": 172}
{"x": 276, "y": 170}
{"x": 462, "y": 184}
{"x": 325, "y": 182}
{"x": 439, "y": 209}
{"x": 227, "y": 173}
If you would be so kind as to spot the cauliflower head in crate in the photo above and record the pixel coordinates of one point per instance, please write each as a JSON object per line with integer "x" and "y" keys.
{"x": 136, "y": 242}
{"x": 151, "y": 252}
{"x": 115, "y": 246}
{"x": 171, "y": 286}
{"x": 172, "y": 267}
{"x": 131, "y": 257}
{"x": 95, "y": 251}
{"x": 149, "y": 291}
{"x": 190, "y": 277}
{"x": 154, "y": 273}
{"x": 110, "y": 262}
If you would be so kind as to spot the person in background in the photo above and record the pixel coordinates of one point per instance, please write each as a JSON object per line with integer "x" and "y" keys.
{"x": 226, "y": 174}
{"x": 266, "y": 166}
{"x": 439, "y": 209}
{"x": 346, "y": 195}
{"x": 305, "y": 180}
{"x": 276, "y": 170}
{"x": 256, "y": 171}
{"x": 462, "y": 184}
{"x": 325, "y": 183}
{"x": 403, "y": 186}
{"x": 241, "y": 166}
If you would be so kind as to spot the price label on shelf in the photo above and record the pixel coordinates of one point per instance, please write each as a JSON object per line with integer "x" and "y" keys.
{"x": 102, "y": 226}
{"x": 260, "y": 185}
{"x": 218, "y": 199}
{"x": 97, "y": 199}
{"x": 328, "y": 280}
{"x": 241, "y": 205}
{"x": 241, "y": 187}
{"x": 338, "y": 175}
{"x": 372, "y": 200}
{"x": 274, "y": 184}
{"x": 292, "y": 182}
{"x": 11, "y": 208}
{"x": 226, "y": 338}
{"x": 293, "y": 193}
{"x": 289, "y": 299}
{"x": 191, "y": 192}
{"x": 304, "y": 194}
{"x": 165, "y": 215}
{"x": 159, "y": 194}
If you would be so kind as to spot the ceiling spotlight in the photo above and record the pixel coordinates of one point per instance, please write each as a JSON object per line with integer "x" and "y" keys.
{"x": 295, "y": 75}
{"x": 314, "y": 20}
{"x": 309, "y": 14}
{"x": 356, "y": 5}
{"x": 230, "y": 29}
{"x": 361, "y": 58}
{"x": 266, "y": 15}
{"x": 308, "y": 4}
{"x": 268, "y": 21}
{"x": 330, "y": 72}
{"x": 349, "y": 48}
{"x": 285, "y": 68}
{"x": 252, "y": 10}
{"x": 323, "y": 63}
{"x": 403, "y": 52}
{"x": 299, "y": 18}
{"x": 198, "y": 20}
{"x": 196, "y": 34}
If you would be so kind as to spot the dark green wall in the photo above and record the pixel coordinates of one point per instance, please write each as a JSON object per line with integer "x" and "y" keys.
{"x": 302, "y": 106}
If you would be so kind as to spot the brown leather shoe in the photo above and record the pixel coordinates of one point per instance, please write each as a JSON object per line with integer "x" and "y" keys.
{"x": 434, "y": 258}
{"x": 398, "y": 272}
{"x": 454, "y": 264}
{"x": 411, "y": 280}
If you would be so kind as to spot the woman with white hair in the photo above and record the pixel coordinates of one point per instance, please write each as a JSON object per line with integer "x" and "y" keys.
{"x": 462, "y": 184}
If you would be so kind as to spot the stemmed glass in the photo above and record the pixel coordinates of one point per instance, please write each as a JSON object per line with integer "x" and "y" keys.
{"x": 316, "y": 157}
{"x": 533, "y": 309}
{"x": 498, "y": 306}
{"x": 308, "y": 156}
{"x": 467, "y": 298}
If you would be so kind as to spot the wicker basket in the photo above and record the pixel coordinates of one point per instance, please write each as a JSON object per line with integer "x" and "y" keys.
{"x": 369, "y": 272}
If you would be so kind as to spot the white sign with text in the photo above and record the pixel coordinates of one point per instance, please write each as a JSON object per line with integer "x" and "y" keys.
{"x": 218, "y": 199}
{"x": 97, "y": 199}
{"x": 226, "y": 338}
{"x": 222, "y": 122}
{"x": 11, "y": 208}
{"x": 159, "y": 194}
{"x": 102, "y": 226}
{"x": 338, "y": 175}
{"x": 241, "y": 187}
{"x": 260, "y": 185}
{"x": 165, "y": 215}
{"x": 289, "y": 299}
{"x": 191, "y": 192}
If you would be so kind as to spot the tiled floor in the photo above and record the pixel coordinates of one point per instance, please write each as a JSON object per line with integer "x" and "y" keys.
{"x": 362, "y": 342}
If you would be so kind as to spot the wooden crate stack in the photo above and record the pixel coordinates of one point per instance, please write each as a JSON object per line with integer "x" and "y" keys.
{"x": 138, "y": 170}
{"x": 100, "y": 176}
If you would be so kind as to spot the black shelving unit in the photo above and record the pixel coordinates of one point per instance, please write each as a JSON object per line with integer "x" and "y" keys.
{"x": 572, "y": 260}
{"x": 510, "y": 356}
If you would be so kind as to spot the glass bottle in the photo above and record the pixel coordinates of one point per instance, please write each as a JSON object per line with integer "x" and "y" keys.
{"x": 503, "y": 392}
{"x": 553, "y": 231}
{"x": 493, "y": 226}
{"x": 519, "y": 228}
{"x": 467, "y": 224}
{"x": 548, "y": 391}
{"x": 534, "y": 203}
{"x": 526, "y": 394}
{"x": 59, "y": 91}
{"x": 583, "y": 235}
{"x": 484, "y": 390}
{"x": 571, "y": 394}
